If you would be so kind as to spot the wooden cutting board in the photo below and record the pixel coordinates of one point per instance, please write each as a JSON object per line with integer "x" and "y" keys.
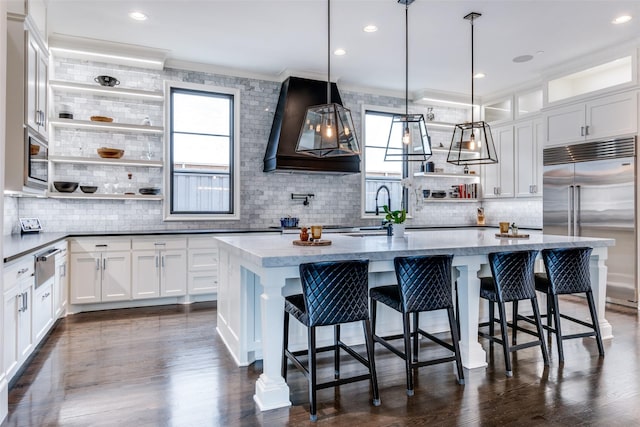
{"x": 312, "y": 243}
{"x": 512, "y": 236}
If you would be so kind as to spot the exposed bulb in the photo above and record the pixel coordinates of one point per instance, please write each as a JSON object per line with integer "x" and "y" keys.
{"x": 406, "y": 137}
{"x": 328, "y": 131}
{"x": 347, "y": 131}
{"x": 318, "y": 128}
{"x": 472, "y": 142}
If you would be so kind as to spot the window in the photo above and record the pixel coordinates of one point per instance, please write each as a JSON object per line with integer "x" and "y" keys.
{"x": 201, "y": 161}
{"x": 378, "y": 172}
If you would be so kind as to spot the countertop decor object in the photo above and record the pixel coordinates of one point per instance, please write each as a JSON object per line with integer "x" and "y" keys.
{"x": 467, "y": 146}
{"x": 312, "y": 242}
{"x": 110, "y": 153}
{"x": 88, "y": 188}
{"x": 107, "y": 81}
{"x": 512, "y": 236}
{"x": 409, "y": 139}
{"x": 328, "y": 129}
{"x": 104, "y": 119}
{"x": 65, "y": 186}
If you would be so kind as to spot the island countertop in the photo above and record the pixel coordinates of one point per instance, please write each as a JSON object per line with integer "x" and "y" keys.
{"x": 278, "y": 250}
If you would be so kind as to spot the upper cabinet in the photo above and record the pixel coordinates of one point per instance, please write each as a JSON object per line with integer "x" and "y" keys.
{"x": 498, "y": 111}
{"x": 37, "y": 66}
{"x": 599, "y": 118}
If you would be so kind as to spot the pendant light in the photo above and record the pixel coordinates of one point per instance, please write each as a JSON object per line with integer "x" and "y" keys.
{"x": 327, "y": 129}
{"x": 472, "y": 142}
{"x": 408, "y": 132}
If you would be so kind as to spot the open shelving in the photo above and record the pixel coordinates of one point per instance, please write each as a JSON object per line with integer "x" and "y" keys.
{"x": 101, "y": 161}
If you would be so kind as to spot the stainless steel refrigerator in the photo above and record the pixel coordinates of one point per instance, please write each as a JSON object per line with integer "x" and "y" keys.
{"x": 590, "y": 190}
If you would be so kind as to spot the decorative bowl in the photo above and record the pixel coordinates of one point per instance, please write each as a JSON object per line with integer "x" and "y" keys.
{"x": 149, "y": 190}
{"x": 65, "y": 187}
{"x": 289, "y": 222}
{"x": 107, "y": 81}
{"x": 104, "y": 119}
{"x": 110, "y": 153}
{"x": 88, "y": 188}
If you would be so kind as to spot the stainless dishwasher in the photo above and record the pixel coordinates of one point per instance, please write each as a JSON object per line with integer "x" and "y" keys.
{"x": 45, "y": 266}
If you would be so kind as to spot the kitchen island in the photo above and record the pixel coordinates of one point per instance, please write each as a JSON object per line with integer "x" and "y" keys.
{"x": 256, "y": 272}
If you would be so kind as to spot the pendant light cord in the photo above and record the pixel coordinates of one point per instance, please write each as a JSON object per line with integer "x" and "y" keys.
{"x": 472, "y": 74}
{"x": 406, "y": 58}
{"x": 328, "y": 51}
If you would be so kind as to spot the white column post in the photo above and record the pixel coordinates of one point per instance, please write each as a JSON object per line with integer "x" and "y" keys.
{"x": 598, "y": 271}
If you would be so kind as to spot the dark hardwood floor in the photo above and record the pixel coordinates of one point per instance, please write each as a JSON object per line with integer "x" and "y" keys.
{"x": 165, "y": 366}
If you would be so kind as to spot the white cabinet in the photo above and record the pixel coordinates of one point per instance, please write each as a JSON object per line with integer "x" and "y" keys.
{"x": 159, "y": 267}
{"x": 498, "y": 179}
{"x": 599, "y": 118}
{"x": 528, "y": 156}
{"x": 43, "y": 310}
{"x": 203, "y": 266}
{"x": 100, "y": 271}
{"x": 17, "y": 299}
{"x": 37, "y": 80}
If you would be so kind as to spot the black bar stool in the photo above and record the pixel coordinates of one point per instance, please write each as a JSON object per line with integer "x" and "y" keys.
{"x": 424, "y": 284}
{"x": 567, "y": 272}
{"x": 332, "y": 293}
{"x": 512, "y": 281}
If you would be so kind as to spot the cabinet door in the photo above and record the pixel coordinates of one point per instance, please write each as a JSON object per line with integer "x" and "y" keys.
{"x": 116, "y": 276}
{"x": 25, "y": 337}
{"x": 491, "y": 179}
{"x": 565, "y": 125}
{"x": 86, "y": 273}
{"x": 146, "y": 274}
{"x": 12, "y": 303}
{"x": 60, "y": 286}
{"x": 612, "y": 116}
{"x": 528, "y": 159}
{"x": 42, "y": 93}
{"x": 506, "y": 159}
{"x": 203, "y": 271}
{"x": 33, "y": 116}
{"x": 173, "y": 265}
{"x": 42, "y": 311}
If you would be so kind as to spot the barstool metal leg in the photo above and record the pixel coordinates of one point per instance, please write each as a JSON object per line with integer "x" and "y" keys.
{"x": 407, "y": 352}
{"x": 313, "y": 380}
{"x": 514, "y": 330}
{"x": 491, "y": 319}
{"x": 336, "y": 351}
{"x": 558, "y": 328}
{"x": 285, "y": 346}
{"x": 368, "y": 338}
{"x": 456, "y": 344}
{"x": 543, "y": 344}
{"x": 416, "y": 347}
{"x": 594, "y": 319}
{"x": 505, "y": 338}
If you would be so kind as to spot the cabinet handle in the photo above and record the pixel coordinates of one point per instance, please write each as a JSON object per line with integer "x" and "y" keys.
{"x": 101, "y": 246}
{"x": 162, "y": 257}
{"x": 20, "y": 299}
{"x": 22, "y": 271}
{"x": 97, "y": 264}
{"x": 586, "y": 130}
{"x": 104, "y": 263}
{"x": 26, "y": 302}
{"x": 45, "y": 296}
{"x": 157, "y": 262}
{"x": 535, "y": 188}
{"x": 581, "y": 130}
{"x": 160, "y": 244}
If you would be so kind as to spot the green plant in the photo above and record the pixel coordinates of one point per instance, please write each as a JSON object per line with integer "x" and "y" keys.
{"x": 397, "y": 217}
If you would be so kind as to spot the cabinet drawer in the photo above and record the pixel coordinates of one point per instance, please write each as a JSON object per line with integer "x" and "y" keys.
{"x": 203, "y": 259}
{"x": 203, "y": 242}
{"x": 204, "y": 282}
{"x": 17, "y": 270}
{"x": 92, "y": 245}
{"x": 158, "y": 243}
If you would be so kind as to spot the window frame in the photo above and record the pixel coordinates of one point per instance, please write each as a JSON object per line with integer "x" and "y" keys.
{"x": 234, "y": 176}
{"x": 363, "y": 166}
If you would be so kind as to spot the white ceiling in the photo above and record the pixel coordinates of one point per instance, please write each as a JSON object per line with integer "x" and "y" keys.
{"x": 270, "y": 37}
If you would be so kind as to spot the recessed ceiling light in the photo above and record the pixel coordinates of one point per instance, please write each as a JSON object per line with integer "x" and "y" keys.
{"x": 339, "y": 52}
{"x": 522, "y": 58}
{"x": 370, "y": 29}
{"x": 621, "y": 19}
{"x": 138, "y": 16}
{"x": 479, "y": 75}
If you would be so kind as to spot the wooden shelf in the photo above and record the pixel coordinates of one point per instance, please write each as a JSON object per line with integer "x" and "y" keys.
{"x": 101, "y": 161}
{"x": 446, "y": 175}
{"x": 102, "y": 196}
{"x": 436, "y": 124}
{"x": 105, "y": 90}
{"x": 104, "y": 126}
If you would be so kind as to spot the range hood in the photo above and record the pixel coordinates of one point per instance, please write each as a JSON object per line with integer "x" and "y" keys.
{"x": 296, "y": 94}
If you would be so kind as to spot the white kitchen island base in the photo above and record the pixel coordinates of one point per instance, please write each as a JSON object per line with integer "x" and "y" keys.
{"x": 256, "y": 272}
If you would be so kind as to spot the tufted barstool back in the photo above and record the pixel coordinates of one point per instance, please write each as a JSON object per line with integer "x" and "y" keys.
{"x": 568, "y": 269}
{"x": 425, "y": 282}
{"x": 513, "y": 273}
{"x": 335, "y": 292}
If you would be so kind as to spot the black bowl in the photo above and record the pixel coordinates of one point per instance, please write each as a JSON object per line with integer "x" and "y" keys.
{"x": 88, "y": 188}
{"x": 107, "y": 81}
{"x": 149, "y": 190}
{"x": 65, "y": 187}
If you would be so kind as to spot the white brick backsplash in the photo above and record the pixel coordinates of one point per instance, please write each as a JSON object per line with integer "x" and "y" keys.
{"x": 264, "y": 197}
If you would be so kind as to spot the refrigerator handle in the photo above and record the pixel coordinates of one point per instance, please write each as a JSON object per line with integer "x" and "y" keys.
{"x": 570, "y": 211}
{"x": 576, "y": 212}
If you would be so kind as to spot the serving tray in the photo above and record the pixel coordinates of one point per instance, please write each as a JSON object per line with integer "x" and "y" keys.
{"x": 512, "y": 236}
{"x": 312, "y": 243}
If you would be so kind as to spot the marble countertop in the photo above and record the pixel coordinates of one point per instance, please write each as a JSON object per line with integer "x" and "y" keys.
{"x": 278, "y": 250}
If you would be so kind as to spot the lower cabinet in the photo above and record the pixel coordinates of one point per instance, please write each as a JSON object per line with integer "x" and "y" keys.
{"x": 61, "y": 283}
{"x": 159, "y": 268}
{"x": 43, "y": 310}
{"x": 203, "y": 265}
{"x": 100, "y": 271}
{"x": 18, "y": 308}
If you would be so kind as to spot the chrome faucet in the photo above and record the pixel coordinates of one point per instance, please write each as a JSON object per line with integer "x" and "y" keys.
{"x": 388, "y": 198}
